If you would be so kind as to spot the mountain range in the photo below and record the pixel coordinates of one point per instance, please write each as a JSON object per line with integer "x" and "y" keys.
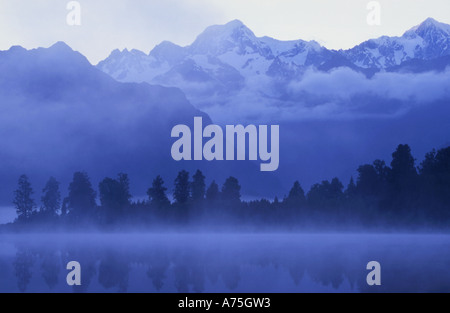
{"x": 227, "y": 59}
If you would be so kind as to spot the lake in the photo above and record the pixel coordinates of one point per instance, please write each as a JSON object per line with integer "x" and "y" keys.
{"x": 228, "y": 263}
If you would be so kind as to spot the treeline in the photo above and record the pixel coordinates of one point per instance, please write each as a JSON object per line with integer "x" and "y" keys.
{"x": 401, "y": 194}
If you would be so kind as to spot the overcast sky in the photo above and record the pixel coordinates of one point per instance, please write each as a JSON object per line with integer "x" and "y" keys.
{"x": 141, "y": 24}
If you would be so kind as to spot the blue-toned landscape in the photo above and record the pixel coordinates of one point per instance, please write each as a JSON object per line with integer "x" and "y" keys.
{"x": 86, "y": 172}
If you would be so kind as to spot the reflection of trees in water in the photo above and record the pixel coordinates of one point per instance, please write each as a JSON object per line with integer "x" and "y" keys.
{"x": 113, "y": 271}
{"x": 330, "y": 266}
{"x": 212, "y": 272}
{"x": 23, "y": 264}
{"x": 159, "y": 264}
{"x": 190, "y": 268}
{"x": 187, "y": 269}
{"x": 297, "y": 272}
{"x": 189, "y": 275}
{"x": 198, "y": 278}
{"x": 50, "y": 267}
{"x": 181, "y": 278}
{"x": 231, "y": 276}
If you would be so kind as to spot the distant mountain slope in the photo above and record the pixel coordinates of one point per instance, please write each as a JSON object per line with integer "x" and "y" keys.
{"x": 422, "y": 66}
{"x": 59, "y": 114}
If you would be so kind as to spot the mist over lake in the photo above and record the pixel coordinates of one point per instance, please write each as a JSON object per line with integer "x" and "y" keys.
{"x": 227, "y": 263}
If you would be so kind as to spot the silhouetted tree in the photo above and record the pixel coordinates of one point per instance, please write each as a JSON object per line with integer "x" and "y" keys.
{"x": 403, "y": 179}
{"x": 296, "y": 198}
{"x": 350, "y": 192}
{"x": 428, "y": 167}
{"x": 157, "y": 193}
{"x": 124, "y": 187}
{"x": 81, "y": 200}
{"x": 212, "y": 194}
{"x": 51, "y": 199}
{"x": 182, "y": 191}
{"x": 402, "y": 165}
{"x": 114, "y": 196}
{"x": 382, "y": 171}
{"x": 109, "y": 193}
{"x": 368, "y": 182}
{"x": 336, "y": 191}
{"x": 435, "y": 184}
{"x": 114, "y": 193}
{"x": 276, "y": 202}
{"x": 372, "y": 182}
{"x": 198, "y": 186}
{"x": 231, "y": 190}
{"x": 326, "y": 195}
{"x": 353, "y": 201}
{"x": 23, "y": 202}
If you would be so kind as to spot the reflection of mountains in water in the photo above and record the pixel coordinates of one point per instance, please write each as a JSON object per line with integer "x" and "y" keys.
{"x": 231, "y": 263}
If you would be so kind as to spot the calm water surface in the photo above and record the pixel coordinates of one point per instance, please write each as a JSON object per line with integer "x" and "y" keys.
{"x": 225, "y": 262}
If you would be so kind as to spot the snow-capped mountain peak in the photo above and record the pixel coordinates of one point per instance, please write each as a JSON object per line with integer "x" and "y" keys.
{"x": 431, "y": 25}
{"x": 429, "y": 40}
{"x": 233, "y": 36}
{"x": 168, "y": 52}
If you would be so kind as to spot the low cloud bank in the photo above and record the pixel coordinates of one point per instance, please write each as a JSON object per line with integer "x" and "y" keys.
{"x": 339, "y": 94}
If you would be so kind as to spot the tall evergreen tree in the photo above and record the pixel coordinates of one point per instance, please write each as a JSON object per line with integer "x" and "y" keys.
{"x": 51, "y": 199}
{"x": 296, "y": 196}
{"x": 114, "y": 197}
{"x": 23, "y": 202}
{"x": 403, "y": 182}
{"x": 326, "y": 195}
{"x": 372, "y": 180}
{"x": 182, "y": 188}
{"x": 351, "y": 189}
{"x": 435, "y": 183}
{"x": 124, "y": 182}
{"x": 212, "y": 194}
{"x": 81, "y": 200}
{"x": 157, "y": 193}
{"x": 231, "y": 190}
{"x": 403, "y": 169}
{"x": 336, "y": 190}
{"x": 198, "y": 186}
